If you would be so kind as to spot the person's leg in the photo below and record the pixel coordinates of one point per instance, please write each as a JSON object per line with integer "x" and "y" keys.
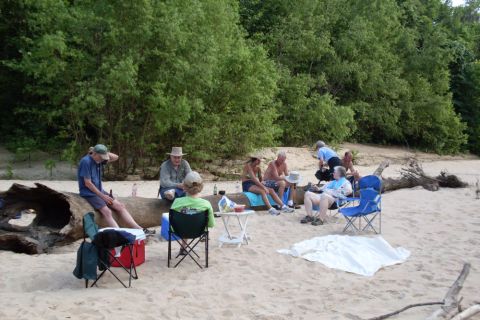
{"x": 275, "y": 197}
{"x": 107, "y": 215}
{"x": 257, "y": 190}
{"x": 124, "y": 214}
{"x": 309, "y": 200}
{"x": 325, "y": 202}
{"x": 281, "y": 188}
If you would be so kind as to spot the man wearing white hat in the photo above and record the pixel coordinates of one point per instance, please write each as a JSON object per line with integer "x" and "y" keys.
{"x": 172, "y": 173}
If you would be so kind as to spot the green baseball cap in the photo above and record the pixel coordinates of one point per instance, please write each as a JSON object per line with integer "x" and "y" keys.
{"x": 102, "y": 151}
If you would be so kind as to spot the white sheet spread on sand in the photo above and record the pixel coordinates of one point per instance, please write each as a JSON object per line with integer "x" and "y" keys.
{"x": 361, "y": 255}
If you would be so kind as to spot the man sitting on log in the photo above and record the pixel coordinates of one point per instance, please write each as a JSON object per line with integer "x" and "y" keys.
{"x": 275, "y": 174}
{"x": 90, "y": 184}
{"x": 172, "y": 173}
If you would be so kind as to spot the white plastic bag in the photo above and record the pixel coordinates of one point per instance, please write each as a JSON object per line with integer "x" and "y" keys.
{"x": 226, "y": 205}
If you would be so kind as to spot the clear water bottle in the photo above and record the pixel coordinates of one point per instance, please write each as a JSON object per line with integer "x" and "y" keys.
{"x": 134, "y": 190}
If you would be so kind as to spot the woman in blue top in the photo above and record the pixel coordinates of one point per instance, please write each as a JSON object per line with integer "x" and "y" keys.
{"x": 339, "y": 188}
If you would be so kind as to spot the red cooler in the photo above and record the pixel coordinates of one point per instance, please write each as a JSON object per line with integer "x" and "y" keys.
{"x": 138, "y": 249}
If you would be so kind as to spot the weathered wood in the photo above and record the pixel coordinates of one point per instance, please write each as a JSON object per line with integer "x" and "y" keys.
{"x": 468, "y": 313}
{"x": 451, "y": 302}
{"x": 415, "y": 305}
{"x": 412, "y": 175}
{"x": 59, "y": 216}
{"x": 449, "y": 305}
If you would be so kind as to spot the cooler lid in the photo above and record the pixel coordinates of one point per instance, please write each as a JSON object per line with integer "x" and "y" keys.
{"x": 138, "y": 233}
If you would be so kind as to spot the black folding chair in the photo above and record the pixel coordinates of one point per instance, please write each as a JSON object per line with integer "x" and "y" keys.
{"x": 191, "y": 227}
{"x": 105, "y": 255}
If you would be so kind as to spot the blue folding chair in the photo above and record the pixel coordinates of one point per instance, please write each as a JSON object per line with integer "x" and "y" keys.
{"x": 369, "y": 207}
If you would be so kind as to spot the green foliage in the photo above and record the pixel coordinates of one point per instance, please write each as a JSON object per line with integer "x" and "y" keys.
{"x": 136, "y": 74}
{"x": 464, "y": 28}
{"x": 9, "y": 172}
{"x": 50, "y": 164}
{"x": 384, "y": 63}
{"x": 23, "y": 147}
{"x": 224, "y": 77}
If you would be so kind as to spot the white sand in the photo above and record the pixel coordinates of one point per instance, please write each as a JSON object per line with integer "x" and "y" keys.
{"x": 441, "y": 229}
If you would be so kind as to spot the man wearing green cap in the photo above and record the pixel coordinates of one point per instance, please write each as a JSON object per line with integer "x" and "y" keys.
{"x": 90, "y": 184}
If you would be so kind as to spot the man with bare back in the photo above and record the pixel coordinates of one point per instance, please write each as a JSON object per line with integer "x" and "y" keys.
{"x": 276, "y": 174}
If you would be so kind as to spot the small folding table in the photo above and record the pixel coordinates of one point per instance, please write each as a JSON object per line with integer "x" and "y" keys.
{"x": 242, "y": 219}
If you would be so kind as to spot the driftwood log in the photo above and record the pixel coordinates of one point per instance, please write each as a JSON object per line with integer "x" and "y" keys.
{"x": 412, "y": 175}
{"x": 449, "y": 307}
{"x": 59, "y": 215}
{"x": 451, "y": 302}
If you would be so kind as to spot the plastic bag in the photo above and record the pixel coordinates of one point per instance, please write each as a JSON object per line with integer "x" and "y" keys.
{"x": 226, "y": 205}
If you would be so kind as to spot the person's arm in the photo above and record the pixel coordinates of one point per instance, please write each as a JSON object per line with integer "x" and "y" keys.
{"x": 254, "y": 178}
{"x": 165, "y": 179}
{"x": 346, "y": 188}
{"x": 89, "y": 184}
{"x": 326, "y": 186}
{"x": 188, "y": 169}
{"x": 285, "y": 171}
{"x": 321, "y": 161}
{"x": 112, "y": 157}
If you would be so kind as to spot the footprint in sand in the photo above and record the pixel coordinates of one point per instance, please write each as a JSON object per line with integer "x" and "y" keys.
{"x": 427, "y": 277}
{"x": 248, "y": 296}
{"x": 180, "y": 293}
{"x": 227, "y": 313}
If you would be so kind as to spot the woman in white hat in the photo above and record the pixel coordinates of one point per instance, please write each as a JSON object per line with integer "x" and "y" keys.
{"x": 339, "y": 188}
{"x": 252, "y": 182}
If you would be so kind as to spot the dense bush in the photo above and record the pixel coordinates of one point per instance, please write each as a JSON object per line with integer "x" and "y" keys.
{"x": 224, "y": 77}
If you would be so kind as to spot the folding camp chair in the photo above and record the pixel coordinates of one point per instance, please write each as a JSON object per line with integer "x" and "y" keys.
{"x": 191, "y": 226}
{"x": 105, "y": 255}
{"x": 369, "y": 207}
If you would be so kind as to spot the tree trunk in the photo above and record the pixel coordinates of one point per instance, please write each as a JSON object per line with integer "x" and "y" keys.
{"x": 59, "y": 216}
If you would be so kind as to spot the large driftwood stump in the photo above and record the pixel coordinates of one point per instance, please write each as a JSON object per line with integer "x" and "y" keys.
{"x": 412, "y": 175}
{"x": 59, "y": 216}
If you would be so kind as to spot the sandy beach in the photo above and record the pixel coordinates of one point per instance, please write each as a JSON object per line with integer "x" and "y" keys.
{"x": 441, "y": 229}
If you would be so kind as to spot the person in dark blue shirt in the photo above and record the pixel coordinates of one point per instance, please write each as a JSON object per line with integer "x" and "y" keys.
{"x": 89, "y": 177}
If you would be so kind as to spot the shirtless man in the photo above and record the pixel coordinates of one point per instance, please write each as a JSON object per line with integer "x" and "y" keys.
{"x": 275, "y": 174}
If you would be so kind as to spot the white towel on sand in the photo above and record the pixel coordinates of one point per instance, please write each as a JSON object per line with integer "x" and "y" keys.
{"x": 360, "y": 255}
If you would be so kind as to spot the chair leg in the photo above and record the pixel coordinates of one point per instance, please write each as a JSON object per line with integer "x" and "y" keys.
{"x": 206, "y": 251}
{"x": 380, "y": 218}
{"x": 189, "y": 249}
{"x": 169, "y": 248}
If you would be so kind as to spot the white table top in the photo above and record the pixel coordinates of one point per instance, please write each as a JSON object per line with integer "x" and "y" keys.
{"x": 233, "y": 213}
